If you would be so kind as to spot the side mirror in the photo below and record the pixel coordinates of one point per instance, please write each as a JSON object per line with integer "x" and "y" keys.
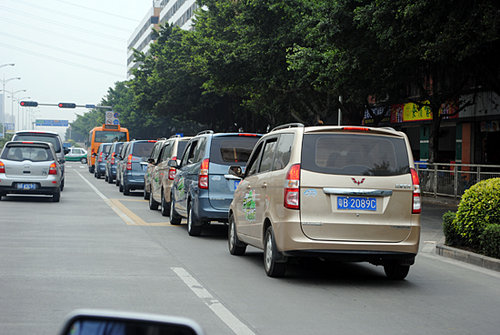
{"x": 236, "y": 170}
{"x": 151, "y": 161}
{"x": 173, "y": 163}
{"x": 66, "y": 151}
{"x": 97, "y": 322}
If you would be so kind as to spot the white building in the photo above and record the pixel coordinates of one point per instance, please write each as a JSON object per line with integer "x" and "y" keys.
{"x": 178, "y": 12}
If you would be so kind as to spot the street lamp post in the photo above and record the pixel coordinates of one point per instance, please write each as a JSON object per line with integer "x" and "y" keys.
{"x": 5, "y": 81}
{"x": 23, "y": 117}
{"x": 16, "y": 122}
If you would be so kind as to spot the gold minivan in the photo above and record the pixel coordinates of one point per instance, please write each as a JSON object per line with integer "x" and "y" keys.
{"x": 342, "y": 192}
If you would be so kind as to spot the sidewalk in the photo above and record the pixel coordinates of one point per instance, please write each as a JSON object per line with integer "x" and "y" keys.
{"x": 432, "y": 212}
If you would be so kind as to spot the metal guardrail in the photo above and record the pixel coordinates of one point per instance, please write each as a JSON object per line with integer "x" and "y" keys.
{"x": 451, "y": 180}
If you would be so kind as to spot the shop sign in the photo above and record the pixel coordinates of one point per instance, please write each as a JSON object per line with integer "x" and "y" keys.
{"x": 412, "y": 112}
{"x": 490, "y": 126}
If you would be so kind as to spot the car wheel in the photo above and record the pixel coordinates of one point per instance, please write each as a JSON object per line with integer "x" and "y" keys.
{"x": 120, "y": 187}
{"x": 91, "y": 169}
{"x": 395, "y": 271}
{"x": 153, "y": 204}
{"x": 56, "y": 196}
{"x": 175, "y": 218}
{"x": 83, "y": 160}
{"x": 274, "y": 266}
{"x": 117, "y": 181}
{"x": 146, "y": 193}
{"x": 110, "y": 179}
{"x": 193, "y": 226}
{"x": 105, "y": 177}
{"x": 236, "y": 247}
{"x": 165, "y": 206}
{"x": 62, "y": 185}
{"x": 126, "y": 190}
{"x": 1, "y": 195}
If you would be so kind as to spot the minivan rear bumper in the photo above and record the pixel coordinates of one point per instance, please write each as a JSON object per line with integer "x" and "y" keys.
{"x": 292, "y": 241}
{"x": 206, "y": 212}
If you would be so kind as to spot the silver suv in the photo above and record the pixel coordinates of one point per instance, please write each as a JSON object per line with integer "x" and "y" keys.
{"x": 346, "y": 193}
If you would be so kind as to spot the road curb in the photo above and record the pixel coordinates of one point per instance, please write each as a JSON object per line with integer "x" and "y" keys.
{"x": 468, "y": 257}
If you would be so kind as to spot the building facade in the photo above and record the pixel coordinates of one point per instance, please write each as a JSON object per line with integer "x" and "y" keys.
{"x": 178, "y": 12}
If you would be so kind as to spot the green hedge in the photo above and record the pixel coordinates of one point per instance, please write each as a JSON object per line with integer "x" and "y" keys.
{"x": 479, "y": 208}
{"x": 451, "y": 234}
{"x": 490, "y": 241}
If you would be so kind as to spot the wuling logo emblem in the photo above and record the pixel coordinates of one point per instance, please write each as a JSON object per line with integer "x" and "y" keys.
{"x": 358, "y": 182}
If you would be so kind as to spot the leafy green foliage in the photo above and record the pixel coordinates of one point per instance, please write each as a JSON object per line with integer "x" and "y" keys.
{"x": 452, "y": 237}
{"x": 490, "y": 240}
{"x": 479, "y": 208}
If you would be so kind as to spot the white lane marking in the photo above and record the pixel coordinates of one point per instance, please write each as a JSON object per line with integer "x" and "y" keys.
{"x": 215, "y": 305}
{"x": 108, "y": 202}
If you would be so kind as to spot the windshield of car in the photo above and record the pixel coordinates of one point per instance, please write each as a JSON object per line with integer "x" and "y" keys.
{"x": 232, "y": 149}
{"x": 354, "y": 154}
{"x": 142, "y": 149}
{"x": 110, "y": 136}
{"x": 41, "y": 138}
{"x": 31, "y": 153}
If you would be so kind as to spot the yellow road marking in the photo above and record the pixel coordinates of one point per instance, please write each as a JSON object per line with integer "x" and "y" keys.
{"x": 137, "y": 220}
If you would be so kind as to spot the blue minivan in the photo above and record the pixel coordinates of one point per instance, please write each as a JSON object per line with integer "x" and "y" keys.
{"x": 203, "y": 189}
{"x": 133, "y": 165}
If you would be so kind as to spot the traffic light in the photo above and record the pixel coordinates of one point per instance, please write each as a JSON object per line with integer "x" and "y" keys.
{"x": 66, "y": 105}
{"x": 29, "y": 103}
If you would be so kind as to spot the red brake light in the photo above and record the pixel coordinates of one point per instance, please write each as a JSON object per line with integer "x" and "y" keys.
{"x": 112, "y": 162}
{"x": 152, "y": 141}
{"x": 417, "y": 203}
{"x": 244, "y": 134}
{"x": 292, "y": 191}
{"x": 203, "y": 175}
{"x": 129, "y": 162}
{"x": 356, "y": 128}
{"x": 100, "y": 157}
{"x": 172, "y": 171}
{"x": 53, "y": 168}
{"x": 27, "y": 142}
{"x": 2, "y": 167}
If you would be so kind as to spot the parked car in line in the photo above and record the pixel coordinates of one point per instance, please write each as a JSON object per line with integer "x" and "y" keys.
{"x": 100, "y": 162}
{"x": 203, "y": 190}
{"x": 30, "y": 167}
{"x": 76, "y": 155}
{"x": 133, "y": 165}
{"x": 45, "y": 136}
{"x": 110, "y": 173}
{"x": 346, "y": 193}
{"x": 151, "y": 164}
{"x": 120, "y": 159}
{"x": 162, "y": 175}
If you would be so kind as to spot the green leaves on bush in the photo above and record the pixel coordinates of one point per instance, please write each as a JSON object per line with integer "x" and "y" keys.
{"x": 490, "y": 240}
{"x": 452, "y": 236}
{"x": 478, "y": 209}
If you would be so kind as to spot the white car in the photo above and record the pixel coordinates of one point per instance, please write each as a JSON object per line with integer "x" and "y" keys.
{"x": 30, "y": 168}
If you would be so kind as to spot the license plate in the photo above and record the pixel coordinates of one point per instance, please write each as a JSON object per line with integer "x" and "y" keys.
{"x": 22, "y": 186}
{"x": 236, "y": 183}
{"x": 357, "y": 203}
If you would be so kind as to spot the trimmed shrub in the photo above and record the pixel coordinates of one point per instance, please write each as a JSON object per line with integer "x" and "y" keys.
{"x": 490, "y": 240}
{"x": 452, "y": 237}
{"x": 479, "y": 208}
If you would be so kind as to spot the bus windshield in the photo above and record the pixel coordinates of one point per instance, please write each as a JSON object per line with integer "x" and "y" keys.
{"x": 110, "y": 136}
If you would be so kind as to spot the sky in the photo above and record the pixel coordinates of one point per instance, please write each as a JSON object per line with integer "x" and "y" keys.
{"x": 64, "y": 51}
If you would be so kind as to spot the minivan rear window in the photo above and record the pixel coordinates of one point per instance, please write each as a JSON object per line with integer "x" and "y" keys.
{"x": 232, "y": 149}
{"x": 354, "y": 154}
{"x": 142, "y": 149}
{"x": 41, "y": 138}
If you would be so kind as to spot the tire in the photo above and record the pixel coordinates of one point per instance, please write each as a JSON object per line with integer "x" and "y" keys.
{"x": 146, "y": 193}
{"x": 110, "y": 179}
{"x": 117, "y": 181}
{"x": 153, "y": 204}
{"x": 236, "y": 247}
{"x": 62, "y": 185}
{"x": 165, "y": 206}
{"x": 91, "y": 169}
{"x": 395, "y": 271}
{"x": 83, "y": 160}
{"x": 193, "y": 225}
{"x": 56, "y": 196}
{"x": 120, "y": 187}
{"x": 272, "y": 264}
{"x": 175, "y": 218}
{"x": 126, "y": 190}
{"x": 105, "y": 177}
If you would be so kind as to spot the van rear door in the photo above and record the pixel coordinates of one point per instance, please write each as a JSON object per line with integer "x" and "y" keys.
{"x": 355, "y": 186}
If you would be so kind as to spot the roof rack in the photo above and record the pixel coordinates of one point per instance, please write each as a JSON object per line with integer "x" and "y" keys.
{"x": 175, "y": 136}
{"x": 288, "y": 125}
{"x": 205, "y": 132}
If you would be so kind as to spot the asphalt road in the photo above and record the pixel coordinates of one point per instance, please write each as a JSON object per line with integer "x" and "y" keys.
{"x": 100, "y": 249}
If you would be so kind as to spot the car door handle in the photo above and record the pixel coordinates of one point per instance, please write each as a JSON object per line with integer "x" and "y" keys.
{"x": 264, "y": 185}
{"x": 249, "y": 187}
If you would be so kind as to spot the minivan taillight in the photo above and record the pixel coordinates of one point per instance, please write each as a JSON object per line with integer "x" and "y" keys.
{"x": 2, "y": 167}
{"x": 416, "y": 203}
{"x": 112, "y": 162}
{"x": 203, "y": 175}
{"x": 53, "y": 168}
{"x": 100, "y": 157}
{"x": 129, "y": 162}
{"x": 171, "y": 171}
{"x": 292, "y": 185}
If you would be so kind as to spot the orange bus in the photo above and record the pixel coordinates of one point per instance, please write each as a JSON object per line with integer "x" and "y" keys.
{"x": 107, "y": 133}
